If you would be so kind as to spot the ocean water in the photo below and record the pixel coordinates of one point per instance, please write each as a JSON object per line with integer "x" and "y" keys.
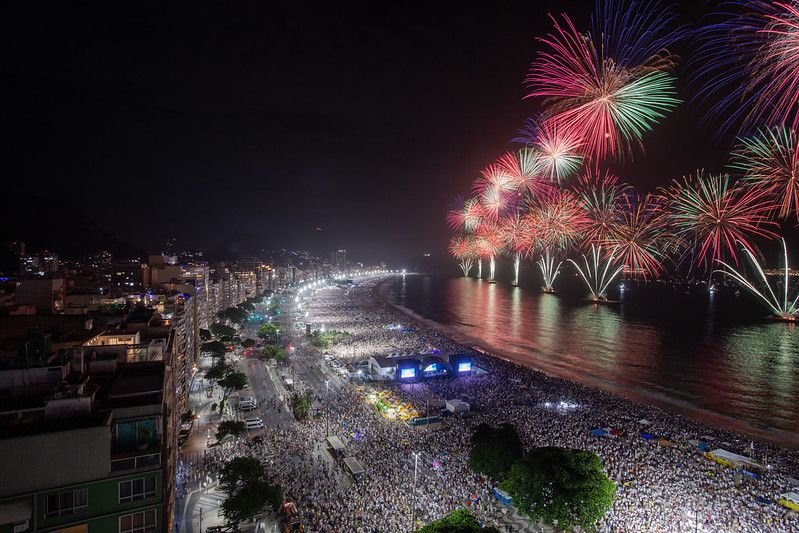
{"x": 707, "y": 352}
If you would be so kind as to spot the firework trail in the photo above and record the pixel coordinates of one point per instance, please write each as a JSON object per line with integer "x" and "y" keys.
{"x": 770, "y": 161}
{"x": 710, "y": 214}
{"x": 489, "y": 244}
{"x": 785, "y": 309}
{"x": 599, "y": 274}
{"x": 518, "y": 237}
{"x": 461, "y": 247}
{"x": 549, "y": 270}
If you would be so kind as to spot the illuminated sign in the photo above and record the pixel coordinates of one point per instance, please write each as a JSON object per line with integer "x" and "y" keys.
{"x": 465, "y": 367}
{"x": 406, "y": 373}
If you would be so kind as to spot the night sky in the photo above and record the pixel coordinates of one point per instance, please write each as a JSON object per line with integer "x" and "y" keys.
{"x": 248, "y": 125}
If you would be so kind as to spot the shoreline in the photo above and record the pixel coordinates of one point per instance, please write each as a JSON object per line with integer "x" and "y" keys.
{"x": 781, "y": 438}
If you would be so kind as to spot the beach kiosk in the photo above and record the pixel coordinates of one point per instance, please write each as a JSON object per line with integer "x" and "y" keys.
{"x": 790, "y": 500}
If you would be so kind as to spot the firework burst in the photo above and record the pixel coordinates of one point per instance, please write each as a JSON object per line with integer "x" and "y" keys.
{"x": 558, "y": 220}
{"x": 558, "y": 152}
{"x": 466, "y": 216}
{"x": 770, "y": 160}
{"x": 749, "y": 70}
{"x": 604, "y": 89}
{"x": 639, "y": 238}
{"x": 497, "y": 190}
{"x": 710, "y": 214}
{"x": 524, "y": 168}
{"x": 601, "y": 196}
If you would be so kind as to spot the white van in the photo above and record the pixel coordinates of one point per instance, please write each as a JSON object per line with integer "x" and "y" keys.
{"x": 248, "y": 403}
{"x": 254, "y": 423}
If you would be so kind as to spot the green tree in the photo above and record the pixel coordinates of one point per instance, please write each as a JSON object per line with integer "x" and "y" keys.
{"x": 205, "y": 335}
{"x": 248, "y": 343}
{"x": 215, "y": 348}
{"x": 228, "y": 378}
{"x": 244, "y": 481}
{"x": 275, "y": 352}
{"x": 494, "y": 450}
{"x": 218, "y": 371}
{"x": 247, "y": 307}
{"x": 300, "y": 404}
{"x": 268, "y": 331}
{"x": 561, "y": 484}
{"x": 230, "y": 427}
{"x": 458, "y": 521}
{"x": 234, "y": 314}
{"x": 221, "y": 330}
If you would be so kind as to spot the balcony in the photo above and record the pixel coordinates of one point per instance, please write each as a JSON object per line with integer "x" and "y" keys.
{"x": 135, "y": 460}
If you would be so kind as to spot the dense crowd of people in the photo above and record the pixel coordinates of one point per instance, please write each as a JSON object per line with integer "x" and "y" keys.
{"x": 664, "y": 483}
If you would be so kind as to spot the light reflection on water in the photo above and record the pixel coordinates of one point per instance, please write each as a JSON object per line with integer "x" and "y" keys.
{"x": 715, "y": 352}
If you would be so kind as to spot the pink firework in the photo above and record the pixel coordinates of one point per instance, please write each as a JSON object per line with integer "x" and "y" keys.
{"x": 466, "y": 216}
{"x": 606, "y": 103}
{"x": 558, "y": 220}
{"x": 524, "y": 167}
{"x": 461, "y": 246}
{"x": 497, "y": 190}
{"x": 488, "y": 240}
{"x": 639, "y": 238}
{"x": 711, "y": 214}
{"x": 601, "y": 196}
{"x": 559, "y": 151}
{"x": 517, "y": 234}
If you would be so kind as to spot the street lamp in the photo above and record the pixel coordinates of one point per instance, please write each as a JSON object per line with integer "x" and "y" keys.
{"x": 413, "y": 494}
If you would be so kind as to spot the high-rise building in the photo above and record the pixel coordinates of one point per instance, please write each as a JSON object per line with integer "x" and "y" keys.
{"x": 338, "y": 259}
{"x": 87, "y": 443}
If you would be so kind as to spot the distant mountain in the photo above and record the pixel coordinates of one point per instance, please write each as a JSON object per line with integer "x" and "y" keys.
{"x": 44, "y": 223}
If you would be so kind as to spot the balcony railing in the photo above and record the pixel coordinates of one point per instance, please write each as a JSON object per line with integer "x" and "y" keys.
{"x": 142, "y": 460}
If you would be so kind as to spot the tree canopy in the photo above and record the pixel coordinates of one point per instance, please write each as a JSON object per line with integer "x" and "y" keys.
{"x": 228, "y": 378}
{"x": 234, "y": 314}
{"x": 205, "y": 335}
{"x": 494, "y": 450}
{"x": 275, "y": 352}
{"x": 300, "y": 404}
{"x": 325, "y": 339}
{"x": 458, "y": 521}
{"x": 221, "y": 330}
{"x": 230, "y": 427}
{"x": 561, "y": 484}
{"x": 244, "y": 481}
{"x": 268, "y": 330}
{"x": 215, "y": 348}
{"x": 248, "y": 343}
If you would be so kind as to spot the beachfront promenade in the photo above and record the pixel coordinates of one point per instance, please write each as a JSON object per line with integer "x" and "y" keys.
{"x": 665, "y": 483}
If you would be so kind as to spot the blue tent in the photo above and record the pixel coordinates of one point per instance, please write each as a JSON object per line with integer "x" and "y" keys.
{"x": 599, "y": 432}
{"x": 647, "y": 436}
{"x": 503, "y": 497}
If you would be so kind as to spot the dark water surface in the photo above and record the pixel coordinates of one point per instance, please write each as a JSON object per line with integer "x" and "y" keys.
{"x": 699, "y": 350}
